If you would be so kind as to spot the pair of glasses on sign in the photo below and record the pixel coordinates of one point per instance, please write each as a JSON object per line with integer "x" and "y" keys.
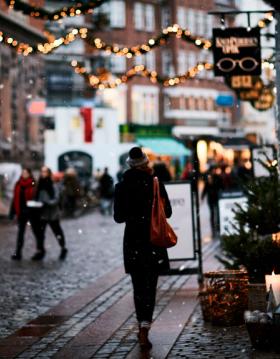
{"x": 228, "y": 64}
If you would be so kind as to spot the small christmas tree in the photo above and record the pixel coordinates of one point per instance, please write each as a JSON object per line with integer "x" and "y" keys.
{"x": 252, "y": 245}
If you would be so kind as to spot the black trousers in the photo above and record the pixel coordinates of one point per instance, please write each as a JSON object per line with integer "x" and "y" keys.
{"x": 56, "y": 229}
{"x": 144, "y": 290}
{"x": 214, "y": 218}
{"x": 22, "y": 222}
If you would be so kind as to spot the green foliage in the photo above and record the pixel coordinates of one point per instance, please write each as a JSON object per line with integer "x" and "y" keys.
{"x": 252, "y": 246}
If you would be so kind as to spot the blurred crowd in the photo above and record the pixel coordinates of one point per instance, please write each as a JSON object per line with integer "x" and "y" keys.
{"x": 43, "y": 201}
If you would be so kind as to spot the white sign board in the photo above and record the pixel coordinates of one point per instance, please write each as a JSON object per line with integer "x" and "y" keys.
{"x": 180, "y": 195}
{"x": 261, "y": 153}
{"x": 226, "y": 214}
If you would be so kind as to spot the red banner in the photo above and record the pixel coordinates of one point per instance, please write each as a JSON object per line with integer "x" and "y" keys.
{"x": 86, "y": 113}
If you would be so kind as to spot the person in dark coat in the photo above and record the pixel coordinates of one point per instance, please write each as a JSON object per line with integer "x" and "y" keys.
{"x": 71, "y": 192}
{"x": 161, "y": 171}
{"x": 213, "y": 186}
{"x": 24, "y": 191}
{"x": 142, "y": 260}
{"x": 106, "y": 188}
{"x": 48, "y": 194}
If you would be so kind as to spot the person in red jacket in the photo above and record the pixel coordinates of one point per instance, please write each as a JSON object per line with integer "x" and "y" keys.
{"x": 24, "y": 191}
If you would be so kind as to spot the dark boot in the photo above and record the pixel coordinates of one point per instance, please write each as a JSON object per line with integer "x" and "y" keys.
{"x": 63, "y": 253}
{"x": 38, "y": 256}
{"x": 143, "y": 337}
{"x": 16, "y": 256}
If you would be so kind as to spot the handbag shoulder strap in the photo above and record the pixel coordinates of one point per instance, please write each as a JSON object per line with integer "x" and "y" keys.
{"x": 156, "y": 188}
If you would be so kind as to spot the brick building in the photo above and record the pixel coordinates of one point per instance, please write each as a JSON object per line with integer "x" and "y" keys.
{"x": 21, "y": 80}
{"x": 191, "y": 106}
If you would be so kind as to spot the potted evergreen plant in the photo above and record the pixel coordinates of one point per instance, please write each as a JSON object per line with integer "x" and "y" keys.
{"x": 252, "y": 246}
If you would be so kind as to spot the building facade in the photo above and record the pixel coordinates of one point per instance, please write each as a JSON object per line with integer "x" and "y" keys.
{"x": 191, "y": 106}
{"x": 21, "y": 82}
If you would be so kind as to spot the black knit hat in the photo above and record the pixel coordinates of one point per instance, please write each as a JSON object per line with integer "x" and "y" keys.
{"x": 137, "y": 157}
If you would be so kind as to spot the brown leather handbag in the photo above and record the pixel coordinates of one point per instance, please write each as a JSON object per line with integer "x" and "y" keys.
{"x": 162, "y": 234}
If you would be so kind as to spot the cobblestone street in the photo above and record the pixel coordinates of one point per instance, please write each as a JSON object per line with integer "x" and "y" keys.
{"x": 28, "y": 288}
{"x": 83, "y": 308}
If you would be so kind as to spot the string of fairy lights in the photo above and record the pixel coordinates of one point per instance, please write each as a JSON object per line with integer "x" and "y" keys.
{"x": 80, "y": 8}
{"x": 97, "y": 43}
{"x": 98, "y": 82}
{"x": 101, "y": 80}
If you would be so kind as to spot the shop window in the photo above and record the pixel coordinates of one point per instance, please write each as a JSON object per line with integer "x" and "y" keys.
{"x": 191, "y": 20}
{"x": 175, "y": 103}
{"x": 150, "y": 60}
{"x": 182, "y": 104}
{"x": 181, "y": 17}
{"x": 139, "y": 60}
{"x": 144, "y": 17}
{"x": 117, "y": 14}
{"x": 191, "y": 103}
{"x": 118, "y": 64}
{"x": 167, "y": 103}
{"x": 139, "y": 16}
{"x": 209, "y": 26}
{"x": 147, "y": 60}
{"x": 200, "y": 104}
{"x": 182, "y": 62}
{"x": 150, "y": 17}
{"x": 210, "y": 104}
{"x": 199, "y": 22}
{"x": 165, "y": 17}
{"x": 145, "y": 105}
{"x": 166, "y": 62}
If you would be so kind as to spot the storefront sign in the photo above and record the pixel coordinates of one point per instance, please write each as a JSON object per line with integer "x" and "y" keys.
{"x": 265, "y": 99}
{"x": 182, "y": 220}
{"x": 236, "y": 51}
{"x": 241, "y": 82}
{"x": 225, "y": 100}
{"x": 263, "y": 154}
{"x": 226, "y": 213}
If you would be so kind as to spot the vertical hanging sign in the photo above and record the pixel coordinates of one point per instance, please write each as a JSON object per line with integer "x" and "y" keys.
{"x": 86, "y": 113}
{"x": 237, "y": 51}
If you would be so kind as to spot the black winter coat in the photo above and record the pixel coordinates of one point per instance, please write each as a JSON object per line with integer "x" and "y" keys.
{"x": 133, "y": 205}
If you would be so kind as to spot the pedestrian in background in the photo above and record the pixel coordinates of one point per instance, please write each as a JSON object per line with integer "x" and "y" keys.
{"x": 213, "y": 186}
{"x": 48, "y": 194}
{"x": 24, "y": 192}
{"x": 106, "y": 187}
{"x": 161, "y": 171}
{"x": 142, "y": 260}
{"x": 71, "y": 192}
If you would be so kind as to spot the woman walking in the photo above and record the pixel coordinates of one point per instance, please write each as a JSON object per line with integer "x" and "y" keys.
{"x": 142, "y": 260}
{"x": 48, "y": 194}
{"x": 23, "y": 192}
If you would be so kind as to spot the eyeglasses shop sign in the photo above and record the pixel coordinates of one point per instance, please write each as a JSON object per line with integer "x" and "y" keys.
{"x": 236, "y": 51}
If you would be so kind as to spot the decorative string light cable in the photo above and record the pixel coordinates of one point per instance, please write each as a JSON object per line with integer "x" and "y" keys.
{"x": 97, "y": 43}
{"x": 100, "y": 81}
{"x": 139, "y": 70}
{"x": 80, "y": 8}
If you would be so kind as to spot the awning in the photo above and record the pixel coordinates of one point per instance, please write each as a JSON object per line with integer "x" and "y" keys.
{"x": 164, "y": 146}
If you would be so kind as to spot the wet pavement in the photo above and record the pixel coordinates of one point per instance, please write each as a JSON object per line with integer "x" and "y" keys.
{"x": 83, "y": 308}
{"x": 29, "y": 288}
